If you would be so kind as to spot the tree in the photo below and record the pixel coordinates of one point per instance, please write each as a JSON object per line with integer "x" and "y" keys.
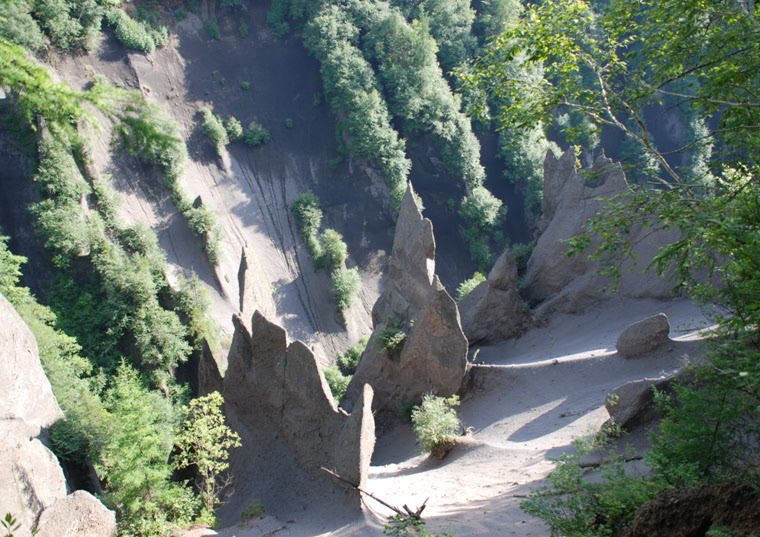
{"x": 610, "y": 61}
{"x": 204, "y": 443}
{"x": 136, "y": 458}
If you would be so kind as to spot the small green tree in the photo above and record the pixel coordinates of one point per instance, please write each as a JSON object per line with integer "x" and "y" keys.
{"x": 256, "y": 135}
{"x": 214, "y": 128}
{"x": 436, "y": 423}
{"x": 204, "y": 443}
{"x": 346, "y": 284}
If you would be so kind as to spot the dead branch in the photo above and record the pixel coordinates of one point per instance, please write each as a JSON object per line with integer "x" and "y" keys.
{"x": 407, "y": 513}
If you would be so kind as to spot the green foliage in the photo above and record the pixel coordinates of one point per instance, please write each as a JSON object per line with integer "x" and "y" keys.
{"x": 391, "y": 337}
{"x": 480, "y": 209}
{"x": 68, "y": 443}
{"x": 309, "y": 219}
{"x": 70, "y": 23}
{"x": 411, "y": 527}
{"x": 243, "y": 29}
{"x": 212, "y": 29}
{"x": 19, "y": 27}
{"x": 522, "y": 253}
{"x": 213, "y": 126}
{"x": 436, "y": 423}
{"x": 466, "y": 287}
{"x": 167, "y": 150}
{"x": 709, "y": 431}
{"x": 346, "y": 284}
{"x": 349, "y": 361}
{"x": 573, "y": 506}
{"x": 245, "y": 86}
{"x": 137, "y": 35}
{"x": 10, "y": 524}
{"x": 234, "y": 129}
{"x": 136, "y": 459}
{"x": 256, "y": 135}
{"x": 334, "y": 250}
{"x": 180, "y": 13}
{"x": 337, "y": 381}
{"x": 276, "y": 17}
{"x": 254, "y": 511}
{"x": 289, "y": 123}
{"x": 204, "y": 444}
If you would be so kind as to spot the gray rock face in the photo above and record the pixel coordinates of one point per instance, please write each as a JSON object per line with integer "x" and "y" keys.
{"x": 34, "y": 487}
{"x": 644, "y": 336}
{"x": 571, "y": 197}
{"x": 434, "y": 356}
{"x": 255, "y": 291}
{"x": 411, "y": 268}
{"x": 79, "y": 514}
{"x": 278, "y": 401}
{"x": 494, "y": 310}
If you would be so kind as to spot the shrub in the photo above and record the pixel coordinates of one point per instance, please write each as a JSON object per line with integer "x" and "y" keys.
{"x": 212, "y": 29}
{"x": 214, "y": 128}
{"x": 337, "y": 381}
{"x": 180, "y": 14}
{"x": 256, "y": 135}
{"x": 334, "y": 250}
{"x": 234, "y": 129}
{"x": 243, "y": 30}
{"x": 18, "y": 26}
{"x": 135, "y": 34}
{"x": 466, "y": 287}
{"x": 289, "y": 123}
{"x": 391, "y": 337}
{"x": 481, "y": 208}
{"x": 254, "y": 511}
{"x": 308, "y": 214}
{"x": 346, "y": 284}
{"x": 245, "y": 86}
{"x": 522, "y": 254}
{"x": 436, "y": 423}
{"x": 574, "y": 507}
{"x": 350, "y": 360}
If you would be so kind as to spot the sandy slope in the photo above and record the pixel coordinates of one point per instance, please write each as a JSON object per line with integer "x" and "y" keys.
{"x": 527, "y": 400}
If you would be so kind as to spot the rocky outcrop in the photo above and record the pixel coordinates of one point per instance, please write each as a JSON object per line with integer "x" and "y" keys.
{"x": 34, "y": 487}
{"x": 494, "y": 310}
{"x": 644, "y": 336}
{"x": 279, "y": 403}
{"x": 572, "y": 197}
{"x": 693, "y": 511}
{"x": 433, "y": 358}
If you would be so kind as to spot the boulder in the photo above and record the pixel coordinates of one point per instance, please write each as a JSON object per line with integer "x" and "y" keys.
{"x": 571, "y": 198}
{"x": 277, "y": 400}
{"x": 34, "y": 486}
{"x": 644, "y": 336}
{"x": 433, "y": 358}
{"x": 79, "y": 514}
{"x": 494, "y": 310}
{"x": 631, "y": 406}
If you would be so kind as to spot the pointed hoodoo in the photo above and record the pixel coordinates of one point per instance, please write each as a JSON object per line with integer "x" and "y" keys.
{"x": 433, "y": 358}
{"x": 277, "y": 400}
